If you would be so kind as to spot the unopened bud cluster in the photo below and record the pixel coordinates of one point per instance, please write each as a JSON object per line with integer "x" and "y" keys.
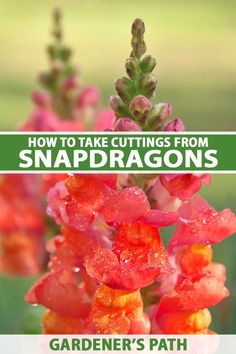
{"x": 60, "y": 81}
{"x": 133, "y": 101}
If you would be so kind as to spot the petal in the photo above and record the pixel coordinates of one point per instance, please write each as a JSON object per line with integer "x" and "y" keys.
{"x": 108, "y": 321}
{"x": 193, "y": 296}
{"x": 54, "y": 323}
{"x": 125, "y": 206}
{"x": 104, "y": 120}
{"x": 104, "y": 266}
{"x": 159, "y": 218}
{"x": 205, "y": 225}
{"x": 42, "y": 120}
{"x": 183, "y": 186}
{"x": 119, "y": 299}
{"x": 60, "y": 296}
{"x": 139, "y": 322}
{"x": 185, "y": 322}
{"x": 194, "y": 258}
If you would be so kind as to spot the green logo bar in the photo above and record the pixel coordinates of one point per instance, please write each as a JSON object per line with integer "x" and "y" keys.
{"x": 118, "y": 152}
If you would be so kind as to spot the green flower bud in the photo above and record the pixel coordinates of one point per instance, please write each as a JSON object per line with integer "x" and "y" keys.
{"x": 118, "y": 107}
{"x": 57, "y": 30}
{"x": 57, "y": 33}
{"x": 57, "y": 15}
{"x": 139, "y": 47}
{"x": 46, "y": 80}
{"x": 65, "y": 53}
{"x": 125, "y": 89}
{"x": 158, "y": 116}
{"x": 132, "y": 67}
{"x": 148, "y": 85}
{"x": 147, "y": 64}
{"x": 138, "y": 27}
{"x": 138, "y": 44}
{"x": 51, "y": 51}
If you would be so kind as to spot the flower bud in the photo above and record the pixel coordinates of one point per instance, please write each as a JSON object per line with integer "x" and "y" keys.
{"x": 132, "y": 67}
{"x": 57, "y": 33}
{"x": 165, "y": 110}
{"x": 51, "y": 51}
{"x": 57, "y": 66}
{"x": 45, "y": 79}
{"x": 125, "y": 89}
{"x": 89, "y": 97}
{"x": 65, "y": 53}
{"x": 139, "y": 47}
{"x": 159, "y": 113}
{"x": 118, "y": 106}
{"x": 138, "y": 44}
{"x": 41, "y": 98}
{"x": 148, "y": 63}
{"x": 138, "y": 27}
{"x": 126, "y": 125}
{"x": 176, "y": 125}
{"x": 71, "y": 83}
{"x": 148, "y": 85}
{"x": 140, "y": 108}
{"x": 57, "y": 15}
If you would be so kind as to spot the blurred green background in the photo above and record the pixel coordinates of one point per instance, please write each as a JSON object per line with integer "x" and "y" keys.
{"x": 194, "y": 43}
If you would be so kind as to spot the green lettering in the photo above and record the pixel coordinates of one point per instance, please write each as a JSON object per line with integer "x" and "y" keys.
{"x": 75, "y": 344}
{"x": 171, "y": 343}
{"x": 153, "y": 343}
{"x": 140, "y": 344}
{"x": 86, "y": 344}
{"x": 127, "y": 344}
{"x": 116, "y": 344}
{"x": 182, "y": 344}
{"x": 65, "y": 344}
{"x": 162, "y": 344}
{"x": 96, "y": 344}
{"x": 54, "y": 344}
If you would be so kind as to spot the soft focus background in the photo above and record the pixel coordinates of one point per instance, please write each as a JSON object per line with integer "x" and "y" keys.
{"x": 195, "y": 45}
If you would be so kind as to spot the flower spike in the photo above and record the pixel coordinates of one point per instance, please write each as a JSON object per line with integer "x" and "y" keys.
{"x": 60, "y": 80}
{"x": 134, "y": 93}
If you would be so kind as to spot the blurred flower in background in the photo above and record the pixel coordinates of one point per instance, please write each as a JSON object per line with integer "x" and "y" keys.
{"x": 62, "y": 104}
